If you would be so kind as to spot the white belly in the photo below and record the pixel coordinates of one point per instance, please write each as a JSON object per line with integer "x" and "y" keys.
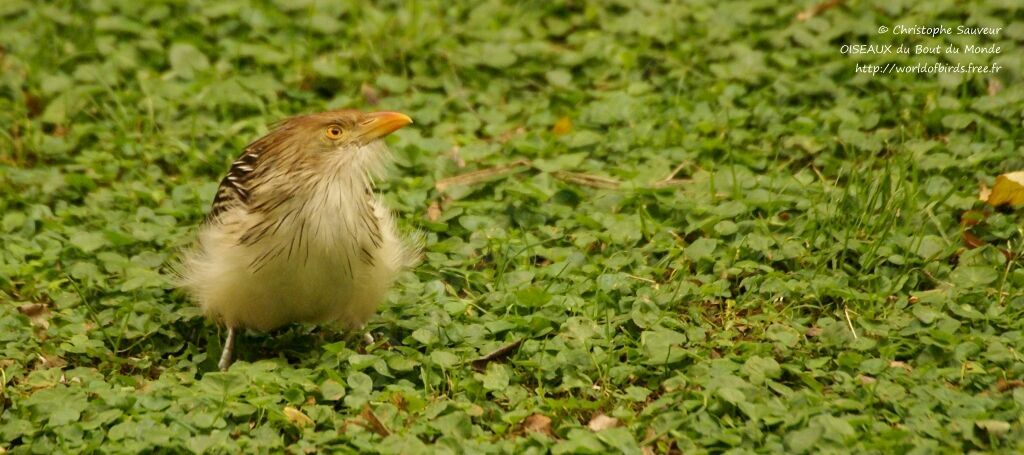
{"x": 326, "y": 272}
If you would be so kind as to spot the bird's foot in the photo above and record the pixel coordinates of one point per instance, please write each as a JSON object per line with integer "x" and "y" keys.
{"x": 229, "y": 349}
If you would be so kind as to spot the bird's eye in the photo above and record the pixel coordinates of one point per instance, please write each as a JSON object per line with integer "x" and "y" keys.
{"x": 333, "y": 132}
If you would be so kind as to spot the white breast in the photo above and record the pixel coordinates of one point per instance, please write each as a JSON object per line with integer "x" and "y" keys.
{"x": 320, "y": 262}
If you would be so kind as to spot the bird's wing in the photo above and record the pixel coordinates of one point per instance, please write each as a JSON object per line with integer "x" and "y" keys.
{"x": 234, "y": 188}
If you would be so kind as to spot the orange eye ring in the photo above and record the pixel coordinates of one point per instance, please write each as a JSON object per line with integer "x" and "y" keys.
{"x": 333, "y": 132}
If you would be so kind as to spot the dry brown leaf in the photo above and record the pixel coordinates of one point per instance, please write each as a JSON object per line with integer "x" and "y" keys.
{"x": 374, "y": 423}
{"x": 972, "y": 217}
{"x": 865, "y": 380}
{"x": 900, "y": 364}
{"x": 984, "y": 192}
{"x": 562, "y": 126}
{"x": 457, "y": 157}
{"x": 399, "y": 401}
{"x": 675, "y": 171}
{"x": 510, "y": 134}
{"x": 1009, "y": 189}
{"x": 38, "y": 313}
{"x": 483, "y": 175}
{"x": 498, "y": 354}
{"x": 538, "y": 423}
{"x": 994, "y": 86}
{"x": 296, "y": 417}
{"x": 602, "y": 422}
{"x": 814, "y": 331}
{"x": 972, "y": 241}
{"x": 1003, "y": 385}
{"x": 434, "y": 211}
{"x": 370, "y": 94}
{"x": 492, "y": 173}
{"x": 658, "y": 184}
{"x": 34, "y": 104}
{"x": 817, "y": 9}
{"x": 46, "y": 362}
{"x": 595, "y": 181}
{"x": 32, "y": 310}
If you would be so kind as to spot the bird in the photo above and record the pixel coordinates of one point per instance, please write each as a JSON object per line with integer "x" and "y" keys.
{"x": 296, "y": 233}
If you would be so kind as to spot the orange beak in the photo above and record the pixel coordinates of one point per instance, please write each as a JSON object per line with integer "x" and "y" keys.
{"x": 379, "y": 124}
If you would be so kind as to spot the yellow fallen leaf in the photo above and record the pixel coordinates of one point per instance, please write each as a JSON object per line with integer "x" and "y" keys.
{"x": 296, "y": 417}
{"x": 562, "y": 126}
{"x": 1009, "y": 189}
{"x": 374, "y": 423}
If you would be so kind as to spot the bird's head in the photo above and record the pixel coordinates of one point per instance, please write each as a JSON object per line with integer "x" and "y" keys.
{"x": 342, "y": 141}
{"x": 347, "y": 130}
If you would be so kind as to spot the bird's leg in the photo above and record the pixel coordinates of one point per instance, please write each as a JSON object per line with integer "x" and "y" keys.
{"x": 229, "y": 349}
{"x": 367, "y": 336}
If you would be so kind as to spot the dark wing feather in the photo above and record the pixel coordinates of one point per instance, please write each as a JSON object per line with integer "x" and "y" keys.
{"x": 234, "y": 188}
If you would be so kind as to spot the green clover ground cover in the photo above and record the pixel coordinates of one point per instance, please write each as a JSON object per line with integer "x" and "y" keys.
{"x": 801, "y": 284}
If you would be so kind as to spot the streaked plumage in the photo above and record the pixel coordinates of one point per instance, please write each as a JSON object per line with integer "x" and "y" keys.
{"x": 295, "y": 233}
